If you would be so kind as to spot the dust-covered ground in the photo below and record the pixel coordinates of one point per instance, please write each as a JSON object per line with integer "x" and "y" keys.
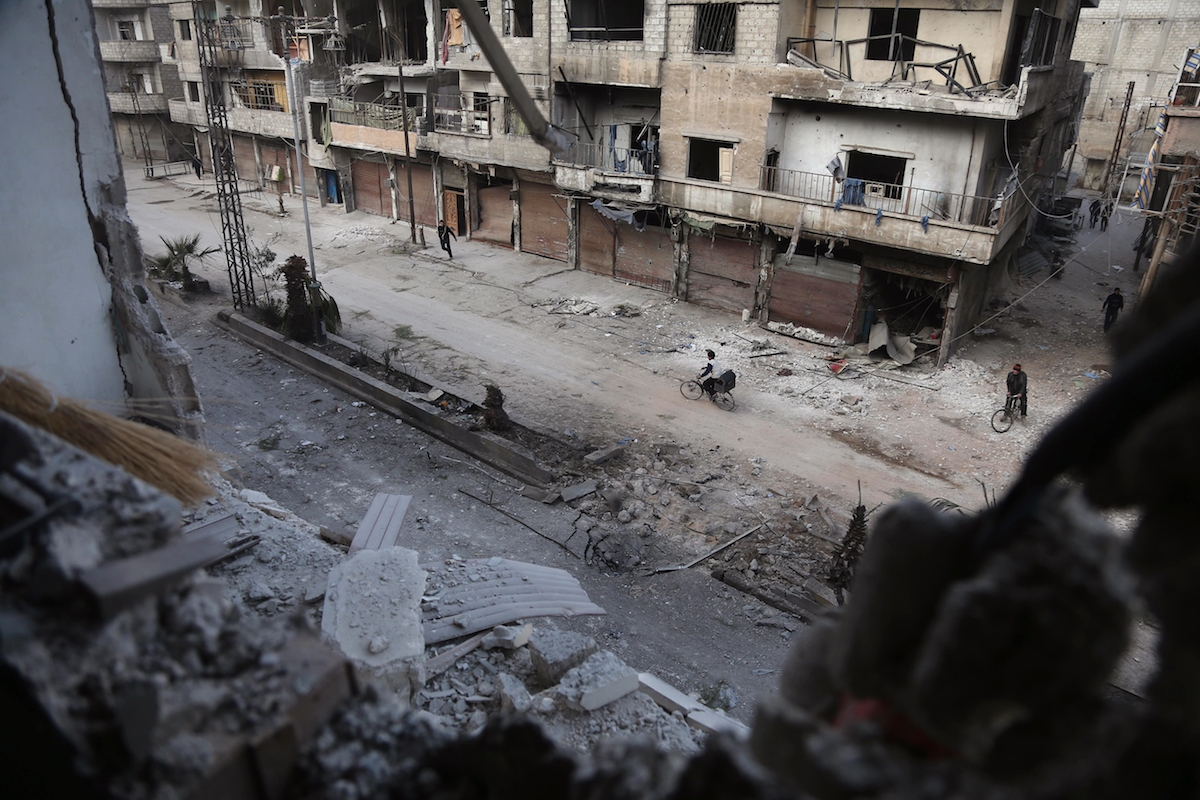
{"x": 593, "y": 362}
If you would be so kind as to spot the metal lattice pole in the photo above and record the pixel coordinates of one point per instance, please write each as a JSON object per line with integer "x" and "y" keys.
{"x": 229, "y": 200}
{"x": 147, "y": 156}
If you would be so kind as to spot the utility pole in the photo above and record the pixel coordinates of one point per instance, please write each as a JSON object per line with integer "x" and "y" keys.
{"x": 314, "y": 286}
{"x": 1116, "y": 151}
{"x": 229, "y": 200}
{"x": 412, "y": 209}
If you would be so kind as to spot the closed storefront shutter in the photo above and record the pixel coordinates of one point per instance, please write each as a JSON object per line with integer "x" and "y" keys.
{"x": 371, "y": 192}
{"x": 243, "y": 156}
{"x": 645, "y": 258}
{"x": 544, "y": 229}
{"x": 821, "y": 294}
{"x": 495, "y": 215}
{"x": 597, "y": 244}
{"x": 310, "y": 180}
{"x": 424, "y": 200}
{"x": 722, "y": 273}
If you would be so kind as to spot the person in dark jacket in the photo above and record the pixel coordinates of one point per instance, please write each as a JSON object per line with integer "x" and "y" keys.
{"x": 1111, "y": 308}
{"x": 1094, "y": 212}
{"x": 444, "y": 234}
{"x": 1017, "y": 387}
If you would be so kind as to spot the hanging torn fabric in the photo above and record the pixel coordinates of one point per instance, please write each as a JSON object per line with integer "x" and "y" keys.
{"x": 925, "y": 223}
{"x": 878, "y": 216}
{"x": 617, "y": 213}
{"x": 454, "y": 24}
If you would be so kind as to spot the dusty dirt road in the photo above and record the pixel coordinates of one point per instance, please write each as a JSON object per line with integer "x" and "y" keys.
{"x": 485, "y": 317}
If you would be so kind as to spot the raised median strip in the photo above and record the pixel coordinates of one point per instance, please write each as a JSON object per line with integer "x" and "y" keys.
{"x": 386, "y": 398}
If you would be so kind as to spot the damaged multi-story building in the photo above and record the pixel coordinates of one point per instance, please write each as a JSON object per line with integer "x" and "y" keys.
{"x": 137, "y": 50}
{"x": 814, "y": 162}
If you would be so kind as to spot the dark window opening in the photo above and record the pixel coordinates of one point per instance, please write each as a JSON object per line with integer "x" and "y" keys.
{"x": 876, "y": 175}
{"x": 710, "y": 161}
{"x": 882, "y": 46}
{"x": 518, "y": 18}
{"x": 481, "y": 104}
{"x": 125, "y": 30}
{"x": 416, "y": 48}
{"x": 193, "y": 88}
{"x": 318, "y": 121}
{"x": 605, "y": 20}
{"x": 1041, "y": 40}
{"x": 716, "y": 28}
{"x": 185, "y": 30}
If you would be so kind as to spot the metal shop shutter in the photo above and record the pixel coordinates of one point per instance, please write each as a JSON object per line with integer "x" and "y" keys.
{"x": 722, "y": 273}
{"x": 371, "y": 191}
{"x": 645, "y": 258}
{"x": 495, "y": 215}
{"x": 543, "y": 221}
{"x": 424, "y": 200}
{"x": 597, "y": 243}
{"x": 821, "y": 294}
{"x": 310, "y": 180}
{"x": 243, "y": 156}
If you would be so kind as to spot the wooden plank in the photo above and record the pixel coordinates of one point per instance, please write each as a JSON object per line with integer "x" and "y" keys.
{"x": 117, "y": 585}
{"x": 362, "y": 536}
{"x": 443, "y": 661}
{"x": 220, "y": 529}
{"x": 500, "y": 615}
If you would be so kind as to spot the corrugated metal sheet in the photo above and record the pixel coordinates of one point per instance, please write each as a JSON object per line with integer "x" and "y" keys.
{"x": 821, "y": 294}
{"x": 1031, "y": 261}
{"x": 722, "y": 272}
{"x": 645, "y": 258}
{"x": 371, "y": 192}
{"x": 543, "y": 221}
{"x": 464, "y": 597}
{"x": 597, "y": 246}
{"x": 495, "y": 215}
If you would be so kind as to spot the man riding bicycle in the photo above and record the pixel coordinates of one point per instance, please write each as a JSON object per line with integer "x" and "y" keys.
{"x": 711, "y": 372}
{"x": 1017, "y": 387}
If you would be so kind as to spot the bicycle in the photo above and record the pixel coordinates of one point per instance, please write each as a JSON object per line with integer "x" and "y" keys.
{"x": 1002, "y": 420}
{"x": 693, "y": 390}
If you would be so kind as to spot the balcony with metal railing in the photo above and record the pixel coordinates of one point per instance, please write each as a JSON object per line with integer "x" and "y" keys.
{"x": 455, "y": 114}
{"x": 618, "y": 173}
{"x": 922, "y": 205}
{"x": 374, "y": 126}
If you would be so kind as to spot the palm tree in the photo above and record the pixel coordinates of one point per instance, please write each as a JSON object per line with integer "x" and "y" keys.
{"x": 182, "y": 251}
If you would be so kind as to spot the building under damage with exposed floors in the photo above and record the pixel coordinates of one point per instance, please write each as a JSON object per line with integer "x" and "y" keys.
{"x": 814, "y": 162}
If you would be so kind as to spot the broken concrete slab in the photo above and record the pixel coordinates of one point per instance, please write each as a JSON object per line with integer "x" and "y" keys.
{"x": 607, "y": 454}
{"x": 598, "y": 681}
{"x": 372, "y": 612}
{"x": 666, "y": 695}
{"x": 710, "y": 722}
{"x": 614, "y": 498}
{"x": 578, "y": 490}
{"x": 541, "y": 495}
{"x": 555, "y": 653}
{"x": 513, "y": 694}
{"x": 507, "y": 637}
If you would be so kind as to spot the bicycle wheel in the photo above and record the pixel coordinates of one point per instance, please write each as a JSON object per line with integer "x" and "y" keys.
{"x": 724, "y": 400}
{"x": 691, "y": 390}
{"x": 1002, "y": 420}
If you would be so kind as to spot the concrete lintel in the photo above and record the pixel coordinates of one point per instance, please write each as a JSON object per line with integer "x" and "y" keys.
{"x": 391, "y": 400}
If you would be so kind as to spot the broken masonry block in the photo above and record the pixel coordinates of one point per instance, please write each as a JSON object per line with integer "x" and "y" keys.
{"x": 607, "y": 454}
{"x": 554, "y": 653}
{"x": 513, "y": 694}
{"x": 578, "y": 490}
{"x": 709, "y": 721}
{"x": 507, "y": 637}
{"x": 598, "y": 681}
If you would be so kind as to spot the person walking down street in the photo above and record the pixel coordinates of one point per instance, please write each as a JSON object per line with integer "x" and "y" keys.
{"x": 712, "y": 370}
{"x": 1018, "y": 385}
{"x": 1105, "y": 213}
{"x": 444, "y": 234}
{"x": 1111, "y": 308}
{"x": 1094, "y": 212}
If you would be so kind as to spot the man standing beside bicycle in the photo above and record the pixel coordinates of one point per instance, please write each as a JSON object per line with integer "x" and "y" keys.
{"x": 1018, "y": 385}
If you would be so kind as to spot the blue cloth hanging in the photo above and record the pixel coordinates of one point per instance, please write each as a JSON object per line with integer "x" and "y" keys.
{"x": 852, "y": 191}
{"x": 878, "y": 216}
{"x": 925, "y": 223}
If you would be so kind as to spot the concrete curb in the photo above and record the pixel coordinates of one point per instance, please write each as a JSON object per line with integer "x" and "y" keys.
{"x": 388, "y": 399}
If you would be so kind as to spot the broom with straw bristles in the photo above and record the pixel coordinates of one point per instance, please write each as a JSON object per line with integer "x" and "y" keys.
{"x": 164, "y": 461}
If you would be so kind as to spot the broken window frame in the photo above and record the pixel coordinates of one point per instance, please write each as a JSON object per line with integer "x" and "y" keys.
{"x": 1041, "y": 40}
{"x": 185, "y": 30}
{"x": 902, "y": 46}
{"x": 614, "y": 20}
{"x": 126, "y": 26}
{"x": 870, "y": 169}
{"x": 715, "y": 28}
{"x": 260, "y": 95}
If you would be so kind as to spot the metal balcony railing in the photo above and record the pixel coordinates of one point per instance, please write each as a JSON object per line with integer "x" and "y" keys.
{"x": 619, "y": 160}
{"x": 374, "y": 115}
{"x": 450, "y": 117}
{"x": 894, "y": 199}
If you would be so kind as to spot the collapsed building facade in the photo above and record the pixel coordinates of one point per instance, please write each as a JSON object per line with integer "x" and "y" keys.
{"x": 797, "y": 162}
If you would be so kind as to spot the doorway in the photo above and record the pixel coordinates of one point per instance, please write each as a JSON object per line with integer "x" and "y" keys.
{"x": 454, "y": 211}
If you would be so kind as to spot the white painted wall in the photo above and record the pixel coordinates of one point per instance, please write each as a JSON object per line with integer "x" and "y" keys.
{"x": 940, "y": 145}
{"x": 55, "y": 300}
